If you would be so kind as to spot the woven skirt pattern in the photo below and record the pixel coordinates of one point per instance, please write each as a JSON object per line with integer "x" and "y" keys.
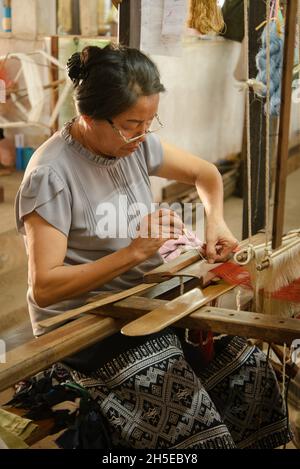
{"x": 151, "y": 398}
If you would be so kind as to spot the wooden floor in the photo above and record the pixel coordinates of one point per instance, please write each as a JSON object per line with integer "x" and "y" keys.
{"x": 14, "y": 321}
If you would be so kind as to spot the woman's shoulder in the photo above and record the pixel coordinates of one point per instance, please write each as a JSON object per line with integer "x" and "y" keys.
{"x": 51, "y": 153}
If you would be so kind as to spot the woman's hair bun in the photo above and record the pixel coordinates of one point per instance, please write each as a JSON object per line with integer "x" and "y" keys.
{"x": 75, "y": 68}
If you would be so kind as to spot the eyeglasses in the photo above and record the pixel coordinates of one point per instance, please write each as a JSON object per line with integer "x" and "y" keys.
{"x": 157, "y": 126}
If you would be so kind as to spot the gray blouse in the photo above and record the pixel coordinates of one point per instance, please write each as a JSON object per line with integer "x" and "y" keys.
{"x": 95, "y": 201}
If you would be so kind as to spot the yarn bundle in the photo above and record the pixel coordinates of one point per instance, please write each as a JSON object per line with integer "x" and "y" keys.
{"x": 276, "y": 60}
{"x": 205, "y": 16}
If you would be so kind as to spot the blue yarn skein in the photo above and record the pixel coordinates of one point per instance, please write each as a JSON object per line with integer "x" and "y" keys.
{"x": 276, "y": 59}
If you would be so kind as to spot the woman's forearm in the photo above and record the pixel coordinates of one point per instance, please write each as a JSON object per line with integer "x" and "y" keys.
{"x": 185, "y": 167}
{"x": 63, "y": 282}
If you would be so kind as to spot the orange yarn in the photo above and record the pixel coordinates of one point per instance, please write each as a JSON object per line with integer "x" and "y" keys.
{"x": 205, "y": 16}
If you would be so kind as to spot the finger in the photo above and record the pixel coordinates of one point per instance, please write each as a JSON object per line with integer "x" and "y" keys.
{"x": 166, "y": 213}
{"x": 210, "y": 251}
{"x": 160, "y": 230}
{"x": 168, "y": 225}
{"x": 224, "y": 253}
{"x": 167, "y": 236}
{"x": 168, "y": 233}
{"x": 162, "y": 212}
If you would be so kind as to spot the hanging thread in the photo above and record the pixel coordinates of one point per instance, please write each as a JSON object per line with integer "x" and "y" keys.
{"x": 246, "y": 22}
{"x": 205, "y": 16}
{"x": 268, "y": 111}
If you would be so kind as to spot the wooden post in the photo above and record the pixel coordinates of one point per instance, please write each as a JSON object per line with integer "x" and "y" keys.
{"x": 54, "y": 77}
{"x": 130, "y": 23}
{"x": 284, "y": 126}
{"x": 257, "y": 14}
{"x": 75, "y": 17}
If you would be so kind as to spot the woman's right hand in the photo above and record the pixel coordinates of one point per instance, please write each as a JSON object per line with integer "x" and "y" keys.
{"x": 154, "y": 230}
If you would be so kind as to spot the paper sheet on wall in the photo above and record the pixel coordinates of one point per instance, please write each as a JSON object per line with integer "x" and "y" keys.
{"x": 162, "y": 24}
{"x": 174, "y": 17}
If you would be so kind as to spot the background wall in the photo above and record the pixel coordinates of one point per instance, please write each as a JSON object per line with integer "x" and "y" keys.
{"x": 203, "y": 108}
{"x": 202, "y": 95}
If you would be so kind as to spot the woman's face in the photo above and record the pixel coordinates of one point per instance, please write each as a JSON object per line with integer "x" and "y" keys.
{"x": 131, "y": 123}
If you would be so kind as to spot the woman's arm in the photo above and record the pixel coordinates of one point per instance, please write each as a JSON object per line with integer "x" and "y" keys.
{"x": 190, "y": 169}
{"x": 52, "y": 281}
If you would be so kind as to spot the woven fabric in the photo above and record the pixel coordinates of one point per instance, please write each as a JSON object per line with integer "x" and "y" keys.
{"x": 151, "y": 398}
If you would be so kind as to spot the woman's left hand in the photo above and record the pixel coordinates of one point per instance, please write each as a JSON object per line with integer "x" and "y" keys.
{"x": 220, "y": 242}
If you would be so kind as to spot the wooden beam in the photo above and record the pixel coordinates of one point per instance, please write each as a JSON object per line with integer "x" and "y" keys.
{"x": 130, "y": 23}
{"x": 40, "y": 353}
{"x": 103, "y": 300}
{"x": 219, "y": 320}
{"x": 54, "y": 77}
{"x": 75, "y": 17}
{"x": 171, "y": 312}
{"x": 167, "y": 270}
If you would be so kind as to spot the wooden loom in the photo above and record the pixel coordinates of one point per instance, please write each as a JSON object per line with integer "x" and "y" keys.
{"x": 107, "y": 314}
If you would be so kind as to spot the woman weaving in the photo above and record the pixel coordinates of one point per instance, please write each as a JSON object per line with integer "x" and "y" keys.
{"x": 148, "y": 393}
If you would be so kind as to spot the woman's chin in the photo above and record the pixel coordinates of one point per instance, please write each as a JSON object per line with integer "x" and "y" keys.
{"x": 129, "y": 150}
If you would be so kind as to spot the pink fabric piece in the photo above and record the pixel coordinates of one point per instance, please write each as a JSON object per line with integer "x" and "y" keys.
{"x": 174, "y": 247}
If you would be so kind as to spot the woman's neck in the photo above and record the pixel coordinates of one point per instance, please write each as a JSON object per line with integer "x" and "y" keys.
{"x": 80, "y": 133}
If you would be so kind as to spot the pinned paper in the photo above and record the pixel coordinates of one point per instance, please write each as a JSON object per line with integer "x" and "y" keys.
{"x": 174, "y": 17}
{"x": 162, "y": 25}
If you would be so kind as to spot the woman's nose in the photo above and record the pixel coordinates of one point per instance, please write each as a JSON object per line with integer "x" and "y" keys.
{"x": 142, "y": 129}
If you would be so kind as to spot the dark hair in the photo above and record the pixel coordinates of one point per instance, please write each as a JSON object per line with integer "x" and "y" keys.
{"x": 108, "y": 81}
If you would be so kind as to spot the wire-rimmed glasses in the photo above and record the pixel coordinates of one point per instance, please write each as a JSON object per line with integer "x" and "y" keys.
{"x": 157, "y": 126}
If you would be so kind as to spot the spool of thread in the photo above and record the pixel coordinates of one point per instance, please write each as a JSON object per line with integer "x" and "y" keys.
{"x": 6, "y": 20}
{"x": 19, "y": 142}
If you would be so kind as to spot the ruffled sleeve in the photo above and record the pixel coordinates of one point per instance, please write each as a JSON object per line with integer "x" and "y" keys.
{"x": 44, "y": 192}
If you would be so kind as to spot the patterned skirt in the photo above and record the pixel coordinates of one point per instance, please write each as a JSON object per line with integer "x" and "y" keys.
{"x": 152, "y": 398}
